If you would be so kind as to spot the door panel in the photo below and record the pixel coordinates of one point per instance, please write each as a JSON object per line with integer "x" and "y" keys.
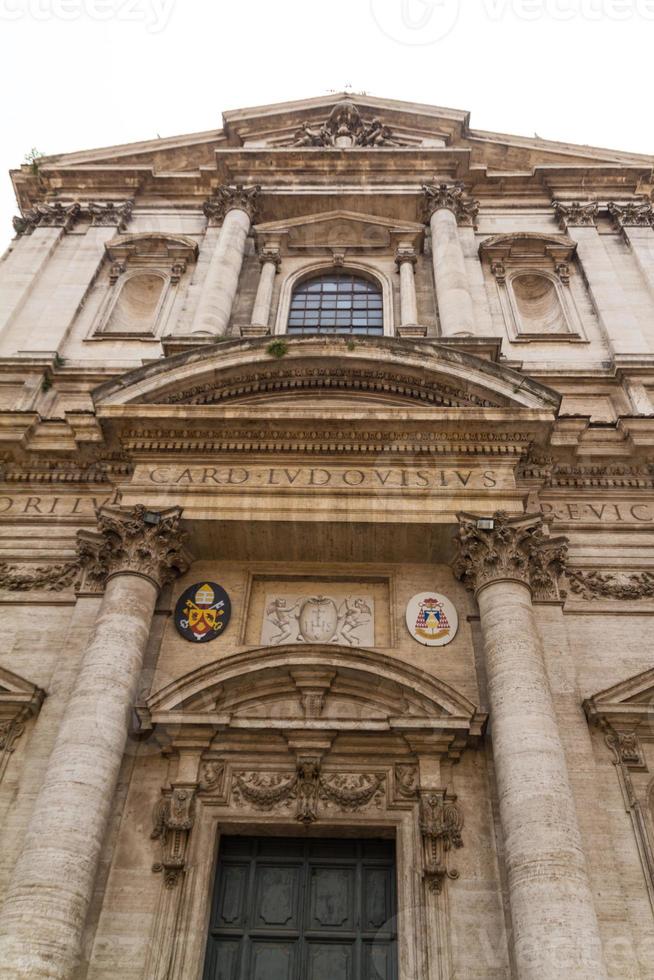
{"x": 302, "y": 909}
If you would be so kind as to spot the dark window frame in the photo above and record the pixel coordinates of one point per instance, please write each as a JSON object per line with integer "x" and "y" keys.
{"x": 337, "y": 302}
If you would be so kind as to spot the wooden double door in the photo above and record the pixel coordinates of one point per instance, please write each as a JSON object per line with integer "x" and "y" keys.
{"x": 301, "y": 909}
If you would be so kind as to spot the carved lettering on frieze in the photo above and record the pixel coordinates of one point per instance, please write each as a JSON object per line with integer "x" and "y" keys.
{"x": 598, "y": 512}
{"x": 319, "y": 478}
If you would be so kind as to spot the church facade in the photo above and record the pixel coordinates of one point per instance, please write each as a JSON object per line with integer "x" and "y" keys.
{"x": 327, "y": 555}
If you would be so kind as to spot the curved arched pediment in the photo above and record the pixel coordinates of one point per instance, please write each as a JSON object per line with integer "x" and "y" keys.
{"x": 368, "y": 370}
{"x": 317, "y": 686}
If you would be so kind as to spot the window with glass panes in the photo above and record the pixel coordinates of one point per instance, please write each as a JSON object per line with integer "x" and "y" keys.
{"x": 337, "y": 303}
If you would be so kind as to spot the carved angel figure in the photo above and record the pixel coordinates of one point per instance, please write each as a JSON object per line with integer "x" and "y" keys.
{"x": 377, "y": 134}
{"x": 352, "y": 614}
{"x": 280, "y": 614}
{"x": 306, "y": 136}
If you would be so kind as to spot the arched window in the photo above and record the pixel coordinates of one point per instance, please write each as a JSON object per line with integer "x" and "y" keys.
{"x": 337, "y": 302}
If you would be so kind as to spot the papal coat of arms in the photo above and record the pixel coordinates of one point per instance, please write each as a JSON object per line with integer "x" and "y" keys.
{"x": 202, "y": 612}
{"x": 431, "y": 619}
{"x": 318, "y": 619}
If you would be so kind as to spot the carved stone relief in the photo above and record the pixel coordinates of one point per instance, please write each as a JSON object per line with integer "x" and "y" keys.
{"x": 337, "y": 618}
{"x": 345, "y": 127}
{"x": 594, "y": 584}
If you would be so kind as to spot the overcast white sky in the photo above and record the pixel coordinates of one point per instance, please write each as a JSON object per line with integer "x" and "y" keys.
{"x": 77, "y": 74}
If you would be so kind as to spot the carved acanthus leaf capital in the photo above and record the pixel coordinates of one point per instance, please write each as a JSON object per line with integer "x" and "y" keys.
{"x": 53, "y": 215}
{"x": 230, "y": 197}
{"x": 576, "y": 214}
{"x": 137, "y": 541}
{"x": 109, "y": 214}
{"x": 512, "y": 548}
{"x": 405, "y": 254}
{"x": 452, "y": 198}
{"x": 634, "y": 214}
{"x": 271, "y": 256}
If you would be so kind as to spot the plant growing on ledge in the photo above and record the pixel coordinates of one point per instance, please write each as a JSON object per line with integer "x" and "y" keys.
{"x": 33, "y": 158}
{"x": 277, "y": 348}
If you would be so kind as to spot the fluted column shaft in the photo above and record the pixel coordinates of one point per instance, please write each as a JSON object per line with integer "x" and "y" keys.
{"x": 235, "y": 205}
{"x": 52, "y": 883}
{"x": 555, "y": 931}
{"x": 270, "y": 262}
{"x": 445, "y": 207}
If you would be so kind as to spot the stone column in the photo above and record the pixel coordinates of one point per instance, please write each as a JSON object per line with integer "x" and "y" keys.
{"x": 52, "y": 882}
{"x": 620, "y": 325}
{"x": 270, "y": 260}
{"x": 235, "y": 207}
{"x": 445, "y": 208}
{"x": 405, "y": 260}
{"x": 555, "y": 931}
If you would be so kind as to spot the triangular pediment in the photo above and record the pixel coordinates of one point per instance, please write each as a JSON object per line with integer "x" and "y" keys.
{"x": 415, "y": 141}
{"x": 339, "y": 229}
{"x": 18, "y": 698}
{"x": 628, "y": 704}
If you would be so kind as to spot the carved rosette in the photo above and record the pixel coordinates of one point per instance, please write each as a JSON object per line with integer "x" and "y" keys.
{"x": 575, "y": 214}
{"x": 173, "y": 820}
{"x": 134, "y": 540}
{"x": 441, "y": 823}
{"x": 515, "y": 549}
{"x": 452, "y": 198}
{"x": 634, "y": 214}
{"x": 229, "y": 198}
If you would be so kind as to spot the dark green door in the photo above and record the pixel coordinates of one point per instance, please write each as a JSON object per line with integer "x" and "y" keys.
{"x": 286, "y": 909}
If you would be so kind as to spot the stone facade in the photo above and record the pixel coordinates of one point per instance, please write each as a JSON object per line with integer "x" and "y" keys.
{"x": 166, "y": 429}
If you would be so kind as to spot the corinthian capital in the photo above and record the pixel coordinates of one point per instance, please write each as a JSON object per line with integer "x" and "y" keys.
{"x": 229, "y": 198}
{"x": 451, "y": 197}
{"x": 635, "y": 214}
{"x": 110, "y": 213}
{"x": 134, "y": 540}
{"x": 575, "y": 214}
{"x": 513, "y": 548}
{"x": 54, "y": 215}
